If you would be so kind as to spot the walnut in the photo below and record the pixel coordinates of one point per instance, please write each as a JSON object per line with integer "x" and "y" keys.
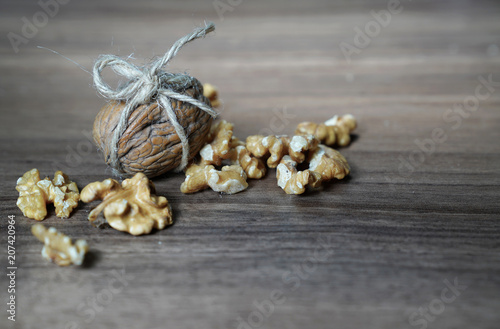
{"x": 34, "y": 194}
{"x": 210, "y": 92}
{"x": 58, "y": 247}
{"x": 329, "y": 163}
{"x": 229, "y": 180}
{"x": 131, "y": 207}
{"x": 150, "y": 143}
{"x": 333, "y": 131}
{"x": 219, "y": 144}
{"x": 293, "y": 181}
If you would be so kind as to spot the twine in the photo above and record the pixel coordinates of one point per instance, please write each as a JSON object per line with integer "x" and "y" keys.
{"x": 146, "y": 84}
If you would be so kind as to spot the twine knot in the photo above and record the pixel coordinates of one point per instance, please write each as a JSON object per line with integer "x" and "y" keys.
{"x": 148, "y": 83}
{"x": 150, "y": 86}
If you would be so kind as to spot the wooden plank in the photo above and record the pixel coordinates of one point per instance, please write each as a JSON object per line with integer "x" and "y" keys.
{"x": 367, "y": 251}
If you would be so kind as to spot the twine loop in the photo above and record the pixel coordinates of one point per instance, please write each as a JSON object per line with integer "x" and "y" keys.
{"x": 148, "y": 83}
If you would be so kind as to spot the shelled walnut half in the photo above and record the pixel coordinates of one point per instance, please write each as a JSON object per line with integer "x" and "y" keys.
{"x": 35, "y": 193}
{"x": 131, "y": 207}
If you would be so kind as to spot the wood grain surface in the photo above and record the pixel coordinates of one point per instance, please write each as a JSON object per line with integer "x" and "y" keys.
{"x": 409, "y": 240}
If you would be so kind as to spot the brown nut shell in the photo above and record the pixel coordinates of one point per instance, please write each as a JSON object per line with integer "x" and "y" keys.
{"x": 150, "y": 143}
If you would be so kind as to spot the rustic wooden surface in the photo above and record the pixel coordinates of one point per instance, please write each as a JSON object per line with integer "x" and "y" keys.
{"x": 395, "y": 234}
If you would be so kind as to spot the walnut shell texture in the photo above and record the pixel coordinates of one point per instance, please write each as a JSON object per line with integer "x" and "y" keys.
{"x": 150, "y": 143}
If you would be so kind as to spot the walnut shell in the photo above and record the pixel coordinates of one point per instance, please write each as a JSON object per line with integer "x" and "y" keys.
{"x": 150, "y": 144}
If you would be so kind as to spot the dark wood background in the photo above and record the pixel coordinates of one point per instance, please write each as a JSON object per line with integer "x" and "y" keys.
{"x": 396, "y": 233}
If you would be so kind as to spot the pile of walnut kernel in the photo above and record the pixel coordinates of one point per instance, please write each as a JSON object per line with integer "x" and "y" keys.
{"x": 224, "y": 164}
{"x": 250, "y": 159}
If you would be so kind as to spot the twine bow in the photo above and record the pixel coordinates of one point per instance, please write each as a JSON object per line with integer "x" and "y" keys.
{"x": 148, "y": 83}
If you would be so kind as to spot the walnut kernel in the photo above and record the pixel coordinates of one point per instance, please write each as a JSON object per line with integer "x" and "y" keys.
{"x": 334, "y": 131}
{"x": 210, "y": 92}
{"x": 58, "y": 247}
{"x": 35, "y": 193}
{"x": 329, "y": 163}
{"x": 131, "y": 207}
{"x": 228, "y": 180}
{"x": 293, "y": 181}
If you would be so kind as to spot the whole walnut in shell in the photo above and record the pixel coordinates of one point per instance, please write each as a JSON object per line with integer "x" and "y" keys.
{"x": 150, "y": 143}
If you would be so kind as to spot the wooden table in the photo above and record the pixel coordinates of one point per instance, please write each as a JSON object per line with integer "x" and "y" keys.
{"x": 409, "y": 240}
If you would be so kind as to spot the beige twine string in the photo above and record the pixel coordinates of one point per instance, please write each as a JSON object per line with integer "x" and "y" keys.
{"x": 149, "y": 83}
